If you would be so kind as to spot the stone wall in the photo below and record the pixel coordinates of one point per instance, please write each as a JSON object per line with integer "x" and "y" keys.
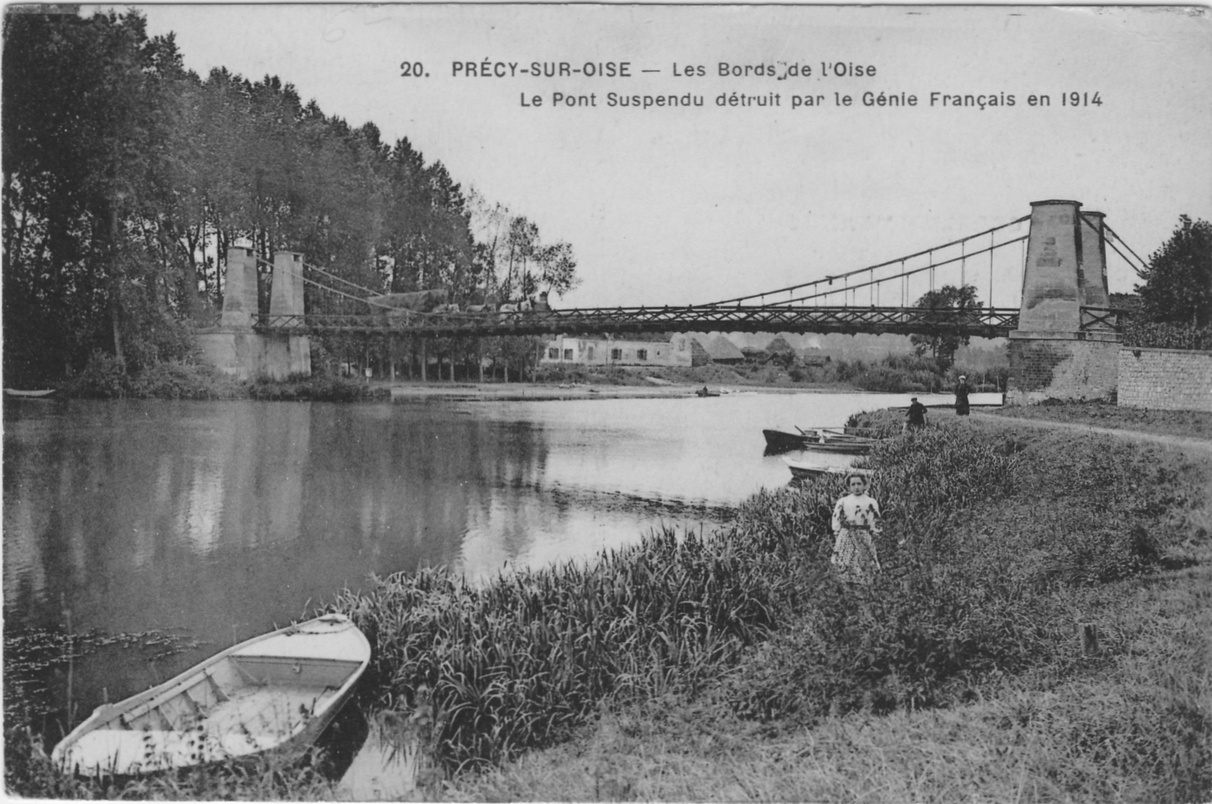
{"x": 250, "y": 355}
{"x": 1165, "y": 379}
{"x": 1051, "y": 366}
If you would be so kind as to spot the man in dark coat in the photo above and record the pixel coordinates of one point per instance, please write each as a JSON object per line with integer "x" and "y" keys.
{"x": 915, "y": 418}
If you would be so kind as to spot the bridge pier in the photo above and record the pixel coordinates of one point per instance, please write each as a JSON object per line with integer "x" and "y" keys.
{"x": 234, "y": 347}
{"x": 1052, "y": 355}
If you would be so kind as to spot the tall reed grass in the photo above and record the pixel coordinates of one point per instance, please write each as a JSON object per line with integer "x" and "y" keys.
{"x": 518, "y": 662}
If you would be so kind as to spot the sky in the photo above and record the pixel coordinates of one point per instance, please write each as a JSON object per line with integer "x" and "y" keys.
{"x": 683, "y": 205}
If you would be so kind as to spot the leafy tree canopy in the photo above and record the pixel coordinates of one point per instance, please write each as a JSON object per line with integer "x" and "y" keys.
{"x": 942, "y": 346}
{"x": 1178, "y": 280}
{"x": 127, "y": 178}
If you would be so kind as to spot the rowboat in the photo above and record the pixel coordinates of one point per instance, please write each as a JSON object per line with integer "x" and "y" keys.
{"x": 841, "y": 447}
{"x": 273, "y": 693}
{"x": 833, "y": 441}
{"x": 802, "y": 470}
{"x": 704, "y": 392}
{"x": 820, "y": 440}
{"x": 782, "y": 441}
{"x": 17, "y": 393}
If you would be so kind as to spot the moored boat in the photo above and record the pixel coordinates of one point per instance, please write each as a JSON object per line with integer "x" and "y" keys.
{"x": 783, "y": 441}
{"x": 840, "y": 447}
{"x": 825, "y": 441}
{"x": 41, "y": 393}
{"x": 802, "y": 470}
{"x": 274, "y": 692}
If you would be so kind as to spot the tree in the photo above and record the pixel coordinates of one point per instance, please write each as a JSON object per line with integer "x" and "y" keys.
{"x": 1178, "y": 280}
{"x": 523, "y": 241}
{"x": 127, "y": 178}
{"x": 86, "y": 177}
{"x": 943, "y": 345}
{"x": 557, "y": 268}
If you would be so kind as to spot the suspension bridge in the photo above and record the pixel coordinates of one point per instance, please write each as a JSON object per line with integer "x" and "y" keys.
{"x": 1040, "y": 280}
{"x": 881, "y": 298}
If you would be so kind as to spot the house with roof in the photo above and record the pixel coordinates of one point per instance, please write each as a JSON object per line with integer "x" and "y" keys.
{"x": 679, "y": 350}
{"x": 722, "y": 350}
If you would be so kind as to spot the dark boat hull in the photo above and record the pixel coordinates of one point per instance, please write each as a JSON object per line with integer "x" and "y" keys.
{"x": 780, "y": 441}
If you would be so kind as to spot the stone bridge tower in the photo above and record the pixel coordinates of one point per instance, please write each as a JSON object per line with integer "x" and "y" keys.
{"x": 234, "y": 347}
{"x": 1052, "y": 355}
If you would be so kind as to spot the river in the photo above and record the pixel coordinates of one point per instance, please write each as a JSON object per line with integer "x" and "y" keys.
{"x": 169, "y": 530}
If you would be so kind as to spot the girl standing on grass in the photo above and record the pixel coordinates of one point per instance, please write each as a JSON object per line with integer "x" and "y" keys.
{"x": 856, "y": 517}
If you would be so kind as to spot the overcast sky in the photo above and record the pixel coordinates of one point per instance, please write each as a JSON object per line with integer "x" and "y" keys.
{"x": 690, "y": 205}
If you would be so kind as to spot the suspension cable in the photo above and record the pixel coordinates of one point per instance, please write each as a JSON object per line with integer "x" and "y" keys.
{"x": 903, "y": 273}
{"x": 330, "y": 275}
{"x": 870, "y": 267}
{"x": 1140, "y": 271}
{"x": 319, "y": 285}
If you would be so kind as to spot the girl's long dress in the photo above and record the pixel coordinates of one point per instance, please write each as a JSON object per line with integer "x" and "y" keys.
{"x": 855, "y": 518}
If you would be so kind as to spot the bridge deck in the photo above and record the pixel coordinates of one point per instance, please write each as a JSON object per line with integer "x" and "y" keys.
{"x": 990, "y": 323}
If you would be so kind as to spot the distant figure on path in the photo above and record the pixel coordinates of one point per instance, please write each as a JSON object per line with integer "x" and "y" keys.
{"x": 961, "y": 396}
{"x": 915, "y": 418}
{"x": 855, "y": 518}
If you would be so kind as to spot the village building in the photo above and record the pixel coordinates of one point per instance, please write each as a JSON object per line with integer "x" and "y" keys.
{"x": 722, "y": 350}
{"x": 679, "y": 350}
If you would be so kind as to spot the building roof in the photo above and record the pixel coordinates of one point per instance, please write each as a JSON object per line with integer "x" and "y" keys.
{"x": 720, "y": 348}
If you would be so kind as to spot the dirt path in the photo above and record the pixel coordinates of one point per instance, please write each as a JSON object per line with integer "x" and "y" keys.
{"x": 1185, "y": 443}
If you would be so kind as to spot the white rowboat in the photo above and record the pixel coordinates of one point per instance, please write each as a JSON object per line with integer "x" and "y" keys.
{"x": 16, "y": 393}
{"x": 277, "y": 691}
{"x": 801, "y": 470}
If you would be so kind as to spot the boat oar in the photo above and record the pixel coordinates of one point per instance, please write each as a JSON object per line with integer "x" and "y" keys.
{"x": 815, "y": 436}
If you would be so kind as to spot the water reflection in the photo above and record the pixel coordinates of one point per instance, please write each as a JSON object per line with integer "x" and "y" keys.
{"x": 224, "y": 519}
{"x": 387, "y": 763}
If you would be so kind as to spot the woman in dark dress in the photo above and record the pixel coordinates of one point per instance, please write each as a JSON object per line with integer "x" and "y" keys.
{"x": 961, "y": 396}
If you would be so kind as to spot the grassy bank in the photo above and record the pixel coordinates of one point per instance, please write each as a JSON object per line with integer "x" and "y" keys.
{"x": 962, "y": 675}
{"x": 106, "y": 378}
{"x": 731, "y": 665}
{"x": 890, "y": 374}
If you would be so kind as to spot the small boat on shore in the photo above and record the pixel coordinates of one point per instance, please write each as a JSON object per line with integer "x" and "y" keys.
{"x": 704, "y": 392}
{"x": 820, "y": 440}
{"x": 802, "y": 470}
{"x": 839, "y": 446}
{"x": 275, "y": 692}
{"x": 825, "y": 440}
{"x": 783, "y": 441}
{"x": 17, "y": 393}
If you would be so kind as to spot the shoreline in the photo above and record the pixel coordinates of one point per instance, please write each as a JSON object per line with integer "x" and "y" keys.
{"x": 510, "y": 392}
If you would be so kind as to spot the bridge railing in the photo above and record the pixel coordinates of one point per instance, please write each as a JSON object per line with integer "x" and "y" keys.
{"x": 1104, "y": 318}
{"x": 984, "y": 322}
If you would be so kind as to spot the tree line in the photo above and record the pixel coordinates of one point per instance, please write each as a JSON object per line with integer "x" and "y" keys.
{"x": 127, "y": 178}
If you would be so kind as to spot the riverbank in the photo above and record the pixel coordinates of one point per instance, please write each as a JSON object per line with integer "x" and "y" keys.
{"x": 731, "y": 665}
{"x": 508, "y": 392}
{"x": 1127, "y": 716}
{"x": 106, "y": 377}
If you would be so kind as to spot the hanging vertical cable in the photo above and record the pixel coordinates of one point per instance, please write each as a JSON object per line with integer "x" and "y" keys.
{"x": 991, "y": 269}
{"x": 963, "y": 263}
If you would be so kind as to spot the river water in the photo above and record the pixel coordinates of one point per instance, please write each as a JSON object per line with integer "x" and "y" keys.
{"x": 187, "y": 526}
